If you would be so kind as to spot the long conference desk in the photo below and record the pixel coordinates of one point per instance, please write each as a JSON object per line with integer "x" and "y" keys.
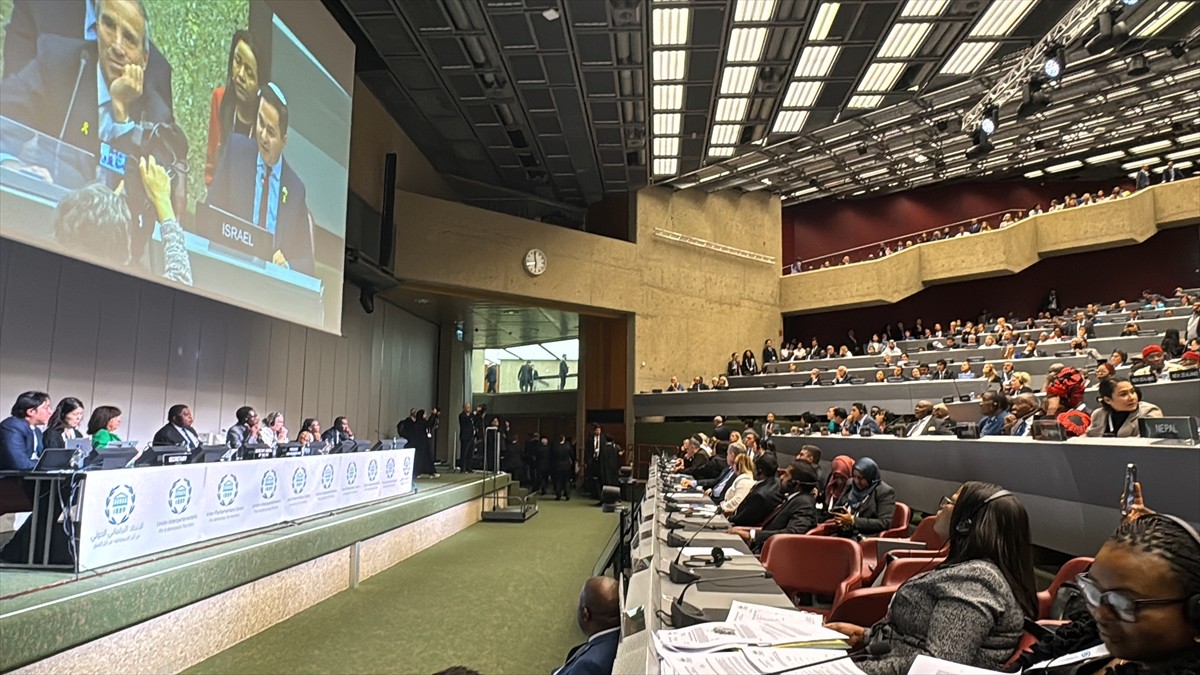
{"x": 1071, "y": 489}
{"x": 651, "y": 589}
{"x": 1130, "y": 344}
{"x": 129, "y": 513}
{"x": 1104, "y": 326}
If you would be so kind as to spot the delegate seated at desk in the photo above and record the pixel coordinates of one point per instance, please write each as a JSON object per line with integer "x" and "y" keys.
{"x": 86, "y": 91}
{"x": 178, "y": 429}
{"x": 255, "y": 182}
{"x": 20, "y": 439}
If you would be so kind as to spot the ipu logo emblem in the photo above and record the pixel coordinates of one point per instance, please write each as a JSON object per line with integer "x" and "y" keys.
{"x": 372, "y": 470}
{"x": 390, "y": 468}
{"x": 408, "y": 462}
{"x": 327, "y": 476}
{"x": 118, "y": 505}
{"x": 179, "y": 497}
{"x": 299, "y": 480}
{"x": 270, "y": 484}
{"x": 227, "y": 489}
{"x": 351, "y": 473}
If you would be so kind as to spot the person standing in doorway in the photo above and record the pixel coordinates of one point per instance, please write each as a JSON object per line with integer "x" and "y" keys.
{"x": 563, "y": 369}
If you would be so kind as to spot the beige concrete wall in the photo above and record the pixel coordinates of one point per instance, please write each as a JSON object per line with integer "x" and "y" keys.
{"x": 696, "y": 305}
{"x": 876, "y": 282}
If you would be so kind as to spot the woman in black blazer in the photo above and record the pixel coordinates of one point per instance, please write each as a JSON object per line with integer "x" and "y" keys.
{"x": 64, "y": 423}
{"x": 866, "y": 509}
{"x": 764, "y": 496}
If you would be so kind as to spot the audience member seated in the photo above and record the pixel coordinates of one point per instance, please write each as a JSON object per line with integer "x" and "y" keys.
{"x": 1141, "y": 597}
{"x": 972, "y": 608}
{"x": 64, "y": 423}
{"x": 675, "y": 385}
{"x": 273, "y": 432}
{"x": 812, "y": 455}
{"x": 178, "y": 429}
{"x": 867, "y": 507}
{"x": 992, "y": 405}
{"x": 21, "y": 441}
{"x": 843, "y": 376}
{"x": 797, "y": 514}
{"x": 1120, "y": 409}
{"x": 764, "y": 496}
{"x": 102, "y": 426}
{"x": 341, "y": 431}
{"x": 599, "y": 617}
{"x": 1155, "y": 359}
{"x": 1024, "y": 410}
{"x": 310, "y": 431}
{"x": 965, "y": 373}
{"x": 859, "y": 421}
{"x": 741, "y": 484}
{"x": 841, "y": 470}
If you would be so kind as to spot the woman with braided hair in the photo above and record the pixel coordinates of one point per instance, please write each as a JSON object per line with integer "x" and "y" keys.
{"x": 1142, "y": 596}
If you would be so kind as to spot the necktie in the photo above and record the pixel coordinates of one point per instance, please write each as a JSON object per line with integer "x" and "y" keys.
{"x": 262, "y": 203}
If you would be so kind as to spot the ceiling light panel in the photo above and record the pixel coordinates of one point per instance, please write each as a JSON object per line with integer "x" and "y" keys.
{"x": 790, "y": 121}
{"x": 731, "y": 109}
{"x": 904, "y": 40}
{"x": 864, "y": 102}
{"x": 923, "y": 8}
{"x": 670, "y": 26}
{"x": 816, "y": 62}
{"x": 1065, "y": 166}
{"x": 1192, "y": 152}
{"x": 802, "y": 94}
{"x": 1156, "y": 22}
{"x": 757, "y": 11}
{"x": 1001, "y": 17}
{"x": 738, "y": 79}
{"x": 666, "y": 166}
{"x": 823, "y": 21}
{"x": 873, "y": 173}
{"x": 745, "y": 45}
{"x": 1034, "y": 174}
{"x": 669, "y": 65}
{"x": 881, "y": 76}
{"x": 967, "y": 58}
{"x": 667, "y": 146}
{"x": 1148, "y": 161}
{"x": 726, "y": 134}
{"x": 667, "y": 124}
{"x": 667, "y": 97}
{"x": 1150, "y": 147}
{"x": 720, "y": 151}
{"x": 1106, "y": 157}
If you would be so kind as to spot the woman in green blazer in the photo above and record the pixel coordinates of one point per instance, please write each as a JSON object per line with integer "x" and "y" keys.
{"x": 103, "y": 425}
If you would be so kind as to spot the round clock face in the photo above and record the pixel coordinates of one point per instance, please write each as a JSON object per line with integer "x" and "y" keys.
{"x": 535, "y": 262}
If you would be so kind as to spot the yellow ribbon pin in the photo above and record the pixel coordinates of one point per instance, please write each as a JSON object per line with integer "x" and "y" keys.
{"x": 284, "y": 193}
{"x": 84, "y": 128}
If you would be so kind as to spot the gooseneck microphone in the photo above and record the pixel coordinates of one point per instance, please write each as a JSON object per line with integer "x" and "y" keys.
{"x": 685, "y": 615}
{"x": 678, "y": 573}
{"x": 74, "y": 94}
{"x": 874, "y": 649}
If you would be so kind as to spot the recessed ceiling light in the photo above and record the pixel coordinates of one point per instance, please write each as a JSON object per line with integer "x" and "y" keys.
{"x": 551, "y": 14}
{"x": 816, "y": 61}
{"x": 903, "y": 40}
{"x": 1105, "y": 157}
{"x": 738, "y": 79}
{"x": 720, "y": 151}
{"x": 668, "y": 65}
{"x": 1001, "y": 17}
{"x": 1150, "y": 147}
{"x": 666, "y": 146}
{"x": 754, "y": 10}
{"x": 789, "y": 121}
{"x": 823, "y": 21}
{"x": 731, "y": 109}
{"x": 924, "y": 7}
{"x": 667, "y": 123}
{"x": 745, "y": 44}
{"x": 802, "y": 94}
{"x": 665, "y": 166}
{"x": 967, "y": 58}
{"x": 726, "y": 134}
{"x": 1034, "y": 174}
{"x": 667, "y": 96}
{"x": 1065, "y": 166}
{"x": 670, "y": 26}
{"x": 1160, "y": 19}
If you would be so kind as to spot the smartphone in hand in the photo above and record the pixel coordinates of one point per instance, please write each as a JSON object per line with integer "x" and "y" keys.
{"x": 1128, "y": 493}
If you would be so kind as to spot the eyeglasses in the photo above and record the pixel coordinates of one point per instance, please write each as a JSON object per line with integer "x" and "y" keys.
{"x": 1125, "y": 607}
{"x": 946, "y": 501}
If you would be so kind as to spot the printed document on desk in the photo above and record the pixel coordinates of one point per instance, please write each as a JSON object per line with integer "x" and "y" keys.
{"x": 747, "y": 611}
{"x": 749, "y": 661}
{"x": 928, "y": 665}
{"x": 711, "y": 637}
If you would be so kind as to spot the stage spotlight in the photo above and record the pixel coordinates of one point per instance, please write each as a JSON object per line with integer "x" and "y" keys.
{"x": 990, "y": 120}
{"x": 1056, "y": 62}
{"x": 1138, "y": 66}
{"x": 1178, "y": 50}
{"x": 861, "y": 148}
{"x": 1034, "y": 100}
{"x": 366, "y": 298}
{"x": 1110, "y": 33}
{"x": 980, "y": 145}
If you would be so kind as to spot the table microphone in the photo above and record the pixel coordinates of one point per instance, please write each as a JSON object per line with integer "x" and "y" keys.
{"x": 685, "y": 615}
{"x": 678, "y": 573}
{"x": 873, "y": 649}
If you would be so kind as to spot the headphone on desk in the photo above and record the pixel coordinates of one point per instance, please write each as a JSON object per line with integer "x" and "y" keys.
{"x": 968, "y": 523}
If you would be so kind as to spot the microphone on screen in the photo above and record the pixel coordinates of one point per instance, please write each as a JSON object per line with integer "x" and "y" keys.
{"x": 683, "y": 615}
{"x": 874, "y": 649}
{"x": 678, "y": 573}
{"x": 74, "y": 94}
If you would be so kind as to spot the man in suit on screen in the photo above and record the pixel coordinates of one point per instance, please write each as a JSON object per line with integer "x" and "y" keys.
{"x": 255, "y": 182}
{"x": 178, "y": 429}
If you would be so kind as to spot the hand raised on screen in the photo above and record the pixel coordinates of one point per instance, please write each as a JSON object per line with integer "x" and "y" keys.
{"x": 125, "y": 90}
{"x": 278, "y": 259}
{"x": 158, "y": 187}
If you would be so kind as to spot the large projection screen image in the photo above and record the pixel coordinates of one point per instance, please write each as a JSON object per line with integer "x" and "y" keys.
{"x": 202, "y": 144}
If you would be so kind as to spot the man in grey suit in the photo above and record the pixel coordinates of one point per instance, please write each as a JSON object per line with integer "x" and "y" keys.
{"x": 242, "y": 433}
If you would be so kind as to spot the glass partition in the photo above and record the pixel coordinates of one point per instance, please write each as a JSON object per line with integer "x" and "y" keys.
{"x": 535, "y": 367}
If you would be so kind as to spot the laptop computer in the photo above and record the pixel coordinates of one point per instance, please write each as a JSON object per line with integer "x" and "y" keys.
{"x": 55, "y": 459}
{"x": 119, "y": 457}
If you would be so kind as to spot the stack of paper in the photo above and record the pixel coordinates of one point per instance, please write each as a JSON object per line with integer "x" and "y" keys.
{"x": 711, "y": 637}
{"x": 927, "y": 665}
{"x": 758, "y": 661}
{"x": 746, "y": 611}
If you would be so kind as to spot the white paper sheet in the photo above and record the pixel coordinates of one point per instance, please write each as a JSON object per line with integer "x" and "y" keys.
{"x": 928, "y": 665}
{"x": 709, "y": 637}
{"x": 746, "y": 611}
{"x": 767, "y": 660}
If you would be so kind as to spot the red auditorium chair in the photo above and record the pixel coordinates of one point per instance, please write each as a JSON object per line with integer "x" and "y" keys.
{"x": 900, "y": 518}
{"x": 923, "y": 534}
{"x": 863, "y": 606}
{"x": 805, "y": 564}
{"x": 1066, "y": 573}
{"x": 902, "y": 569}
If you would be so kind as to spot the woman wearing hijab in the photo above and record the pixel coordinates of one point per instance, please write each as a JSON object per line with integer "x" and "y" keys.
{"x": 866, "y": 508}
{"x": 839, "y": 476}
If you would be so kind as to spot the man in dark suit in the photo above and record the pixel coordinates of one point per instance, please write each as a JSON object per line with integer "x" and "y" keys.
{"x": 814, "y": 378}
{"x": 73, "y": 19}
{"x": 720, "y": 430}
{"x": 842, "y": 376}
{"x": 466, "y": 438}
{"x": 562, "y": 461}
{"x": 942, "y": 372}
{"x": 1171, "y": 173}
{"x": 797, "y": 514}
{"x": 812, "y": 455}
{"x": 591, "y": 457}
{"x": 87, "y": 91}
{"x": 255, "y": 182}
{"x": 20, "y": 439}
{"x": 928, "y": 424}
{"x": 1142, "y": 178}
{"x": 178, "y": 429}
{"x": 599, "y": 617}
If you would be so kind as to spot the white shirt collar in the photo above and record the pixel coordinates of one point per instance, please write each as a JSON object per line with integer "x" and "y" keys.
{"x": 604, "y": 632}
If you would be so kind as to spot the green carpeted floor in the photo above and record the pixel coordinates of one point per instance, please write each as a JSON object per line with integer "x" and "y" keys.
{"x": 496, "y": 597}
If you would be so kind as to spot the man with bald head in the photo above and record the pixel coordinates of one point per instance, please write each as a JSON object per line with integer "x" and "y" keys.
{"x": 599, "y": 616}
{"x": 927, "y": 424}
{"x": 1025, "y": 407}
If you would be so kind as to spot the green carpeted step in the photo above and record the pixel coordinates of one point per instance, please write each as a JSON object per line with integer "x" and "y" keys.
{"x": 496, "y": 597}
